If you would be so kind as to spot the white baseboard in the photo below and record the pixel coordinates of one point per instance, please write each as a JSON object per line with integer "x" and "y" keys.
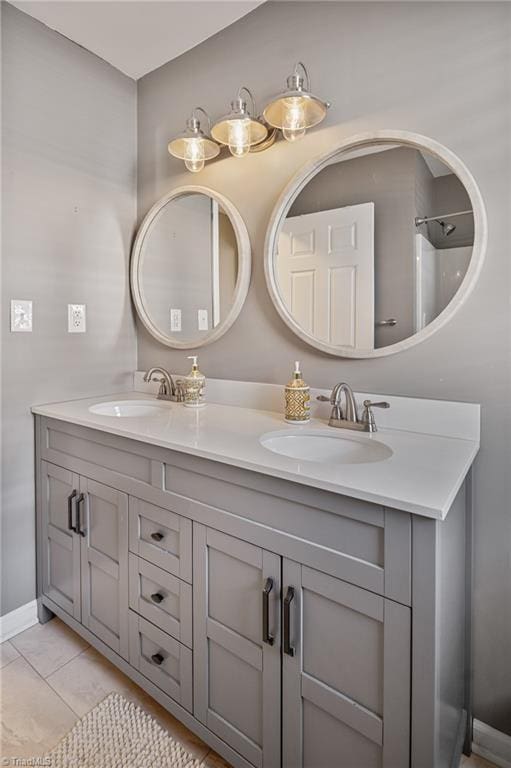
{"x": 491, "y": 744}
{"x": 16, "y": 621}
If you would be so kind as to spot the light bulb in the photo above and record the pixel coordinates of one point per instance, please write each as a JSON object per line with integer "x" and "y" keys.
{"x": 294, "y": 125}
{"x": 239, "y": 137}
{"x": 194, "y": 155}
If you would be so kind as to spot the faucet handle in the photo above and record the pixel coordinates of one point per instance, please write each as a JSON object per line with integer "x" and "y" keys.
{"x": 368, "y": 416}
{"x": 324, "y": 399}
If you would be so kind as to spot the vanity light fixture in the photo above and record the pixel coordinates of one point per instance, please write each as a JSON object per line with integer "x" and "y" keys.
{"x": 297, "y": 108}
{"x": 240, "y": 130}
{"x": 193, "y": 145}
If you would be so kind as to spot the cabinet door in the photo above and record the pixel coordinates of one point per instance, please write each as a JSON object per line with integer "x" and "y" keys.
{"x": 237, "y": 674}
{"x": 60, "y": 545}
{"x": 104, "y": 558}
{"x": 346, "y": 675}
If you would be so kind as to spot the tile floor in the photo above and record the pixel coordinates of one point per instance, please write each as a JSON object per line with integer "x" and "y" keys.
{"x": 50, "y": 678}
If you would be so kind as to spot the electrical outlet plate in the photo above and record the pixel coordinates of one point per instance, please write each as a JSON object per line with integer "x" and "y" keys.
{"x": 21, "y": 316}
{"x": 76, "y": 318}
{"x": 175, "y": 320}
{"x": 202, "y": 319}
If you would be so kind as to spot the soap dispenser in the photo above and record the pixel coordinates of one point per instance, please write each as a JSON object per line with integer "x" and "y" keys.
{"x": 297, "y": 394}
{"x": 193, "y": 386}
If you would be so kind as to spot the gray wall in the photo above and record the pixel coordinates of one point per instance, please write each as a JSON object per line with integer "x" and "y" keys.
{"x": 439, "y": 69}
{"x": 68, "y": 196}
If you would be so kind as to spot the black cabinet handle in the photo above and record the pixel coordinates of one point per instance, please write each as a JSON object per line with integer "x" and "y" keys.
{"x": 268, "y": 586}
{"x": 157, "y": 598}
{"x": 79, "y": 502}
{"x": 70, "y": 512}
{"x": 157, "y": 659}
{"x": 157, "y": 536}
{"x": 288, "y": 648}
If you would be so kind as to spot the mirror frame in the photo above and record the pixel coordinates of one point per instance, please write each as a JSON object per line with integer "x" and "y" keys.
{"x": 244, "y": 267}
{"x": 300, "y": 180}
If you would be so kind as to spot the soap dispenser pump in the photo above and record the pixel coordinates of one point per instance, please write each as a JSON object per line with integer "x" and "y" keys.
{"x": 297, "y": 394}
{"x": 193, "y": 386}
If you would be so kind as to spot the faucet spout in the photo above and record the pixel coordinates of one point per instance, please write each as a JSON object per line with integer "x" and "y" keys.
{"x": 167, "y": 389}
{"x": 350, "y": 409}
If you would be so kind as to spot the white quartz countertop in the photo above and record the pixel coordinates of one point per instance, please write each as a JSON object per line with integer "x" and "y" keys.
{"x": 422, "y": 476}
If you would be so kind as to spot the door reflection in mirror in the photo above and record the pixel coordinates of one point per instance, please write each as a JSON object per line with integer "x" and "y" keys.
{"x": 353, "y": 250}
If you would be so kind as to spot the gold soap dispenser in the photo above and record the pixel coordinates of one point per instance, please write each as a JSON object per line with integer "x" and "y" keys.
{"x": 193, "y": 386}
{"x": 297, "y": 394}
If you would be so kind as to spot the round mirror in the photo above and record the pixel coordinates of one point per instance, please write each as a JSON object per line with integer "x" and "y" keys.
{"x": 190, "y": 267}
{"x": 373, "y": 247}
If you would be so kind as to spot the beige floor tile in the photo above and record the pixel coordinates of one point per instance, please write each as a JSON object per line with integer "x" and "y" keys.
{"x": 7, "y": 653}
{"x": 213, "y": 760}
{"x": 88, "y": 678}
{"x": 49, "y": 646}
{"x": 474, "y": 761}
{"x": 33, "y": 717}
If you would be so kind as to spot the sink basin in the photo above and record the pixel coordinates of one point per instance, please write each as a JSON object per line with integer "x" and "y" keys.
{"x": 326, "y": 448}
{"x": 128, "y": 408}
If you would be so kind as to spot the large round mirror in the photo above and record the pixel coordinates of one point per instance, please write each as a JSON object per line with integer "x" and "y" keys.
{"x": 190, "y": 268}
{"x": 372, "y": 248}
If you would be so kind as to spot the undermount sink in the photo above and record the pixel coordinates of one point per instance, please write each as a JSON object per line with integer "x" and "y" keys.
{"x": 324, "y": 448}
{"x": 128, "y": 408}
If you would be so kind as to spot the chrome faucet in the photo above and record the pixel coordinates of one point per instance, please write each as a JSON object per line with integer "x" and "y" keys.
{"x": 348, "y": 418}
{"x": 167, "y": 390}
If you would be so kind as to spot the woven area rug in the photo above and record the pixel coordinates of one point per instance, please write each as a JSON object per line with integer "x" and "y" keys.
{"x": 118, "y": 734}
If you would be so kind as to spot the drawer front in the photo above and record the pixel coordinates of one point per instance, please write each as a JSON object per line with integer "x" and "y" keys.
{"x": 161, "y": 537}
{"x": 161, "y": 598}
{"x": 160, "y": 658}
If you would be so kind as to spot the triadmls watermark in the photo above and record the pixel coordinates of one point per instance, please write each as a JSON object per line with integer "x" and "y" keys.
{"x": 25, "y": 761}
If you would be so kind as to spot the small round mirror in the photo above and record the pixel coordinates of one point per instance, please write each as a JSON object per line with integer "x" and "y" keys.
{"x": 190, "y": 268}
{"x": 373, "y": 247}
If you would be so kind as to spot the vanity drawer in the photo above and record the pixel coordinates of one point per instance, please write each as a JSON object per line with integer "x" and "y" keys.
{"x": 160, "y": 658}
{"x": 161, "y": 537}
{"x": 161, "y": 598}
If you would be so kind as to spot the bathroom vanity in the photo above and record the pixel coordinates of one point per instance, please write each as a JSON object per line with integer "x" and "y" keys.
{"x": 289, "y": 612}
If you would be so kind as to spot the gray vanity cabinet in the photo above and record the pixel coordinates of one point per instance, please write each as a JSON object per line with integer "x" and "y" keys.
{"x": 104, "y": 564}
{"x": 237, "y": 672}
{"x": 85, "y": 555}
{"x": 346, "y": 674}
{"x": 60, "y": 546}
{"x": 288, "y": 627}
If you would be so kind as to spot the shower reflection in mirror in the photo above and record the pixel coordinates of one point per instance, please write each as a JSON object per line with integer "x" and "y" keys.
{"x": 382, "y": 232}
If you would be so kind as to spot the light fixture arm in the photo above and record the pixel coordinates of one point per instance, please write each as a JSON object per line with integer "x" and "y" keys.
{"x": 195, "y": 118}
{"x": 239, "y": 98}
{"x": 296, "y": 74}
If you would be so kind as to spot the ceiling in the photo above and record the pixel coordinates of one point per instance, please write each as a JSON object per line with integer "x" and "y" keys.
{"x": 137, "y": 36}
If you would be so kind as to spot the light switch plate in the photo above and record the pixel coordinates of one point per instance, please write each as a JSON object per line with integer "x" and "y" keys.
{"x": 175, "y": 320}
{"x": 76, "y": 318}
{"x": 202, "y": 318}
{"x": 21, "y": 316}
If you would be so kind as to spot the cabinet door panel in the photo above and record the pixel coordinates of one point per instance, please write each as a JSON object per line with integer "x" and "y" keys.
{"x": 60, "y": 548}
{"x": 236, "y": 674}
{"x": 346, "y": 689}
{"x": 104, "y": 557}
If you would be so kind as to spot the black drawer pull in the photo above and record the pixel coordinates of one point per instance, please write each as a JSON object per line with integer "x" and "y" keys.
{"x": 288, "y": 648}
{"x": 157, "y": 536}
{"x": 157, "y": 659}
{"x": 79, "y": 502}
{"x": 268, "y": 586}
{"x": 157, "y": 598}
{"x": 70, "y": 525}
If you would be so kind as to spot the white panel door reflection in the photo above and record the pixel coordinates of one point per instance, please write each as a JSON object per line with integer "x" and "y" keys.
{"x": 325, "y": 272}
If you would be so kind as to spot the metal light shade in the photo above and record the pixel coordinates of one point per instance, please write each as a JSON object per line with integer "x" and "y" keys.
{"x": 193, "y": 145}
{"x": 239, "y": 130}
{"x": 296, "y": 109}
